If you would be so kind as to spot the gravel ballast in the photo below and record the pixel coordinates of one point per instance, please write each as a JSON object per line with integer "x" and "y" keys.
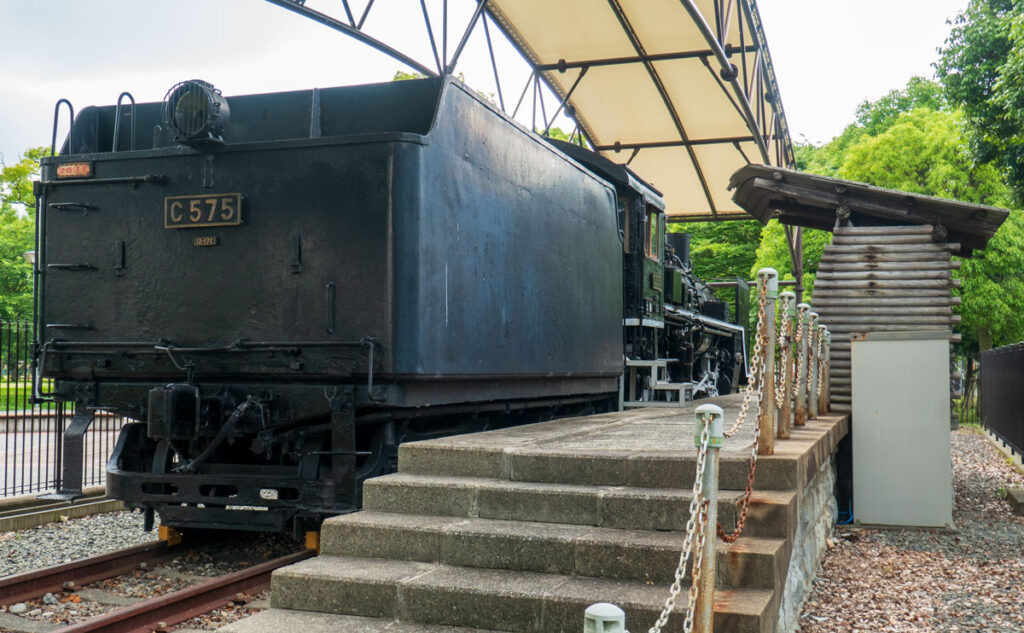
{"x": 70, "y": 540}
{"x": 898, "y": 581}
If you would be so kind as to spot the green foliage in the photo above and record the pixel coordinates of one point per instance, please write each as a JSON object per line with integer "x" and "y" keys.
{"x": 773, "y": 252}
{"x": 982, "y": 69}
{"x": 877, "y": 116}
{"x": 992, "y": 287}
{"x": 721, "y": 250}
{"x": 924, "y": 151}
{"x": 17, "y": 234}
{"x": 401, "y": 75}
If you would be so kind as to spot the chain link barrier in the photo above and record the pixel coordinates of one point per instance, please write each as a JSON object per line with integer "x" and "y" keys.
{"x": 822, "y": 365}
{"x": 784, "y": 350}
{"x": 754, "y": 386}
{"x": 815, "y": 341}
{"x": 694, "y": 528}
{"x": 757, "y": 363}
{"x": 695, "y": 525}
{"x": 797, "y": 341}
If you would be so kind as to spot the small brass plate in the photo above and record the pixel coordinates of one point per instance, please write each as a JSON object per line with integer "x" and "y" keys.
{"x": 217, "y": 209}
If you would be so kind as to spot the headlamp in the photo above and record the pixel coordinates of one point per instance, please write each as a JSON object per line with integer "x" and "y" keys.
{"x": 197, "y": 112}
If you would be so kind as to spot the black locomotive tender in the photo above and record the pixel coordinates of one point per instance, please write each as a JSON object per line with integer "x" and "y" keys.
{"x": 282, "y": 288}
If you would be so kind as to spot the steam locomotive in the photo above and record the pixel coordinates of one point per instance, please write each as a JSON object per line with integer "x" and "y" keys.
{"x": 279, "y": 289}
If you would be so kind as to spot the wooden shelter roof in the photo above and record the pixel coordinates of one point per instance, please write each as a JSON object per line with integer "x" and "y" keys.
{"x": 801, "y": 199}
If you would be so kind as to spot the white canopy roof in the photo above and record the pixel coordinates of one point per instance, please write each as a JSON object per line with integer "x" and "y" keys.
{"x": 682, "y": 90}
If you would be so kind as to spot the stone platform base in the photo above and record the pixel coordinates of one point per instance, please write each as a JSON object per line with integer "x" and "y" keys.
{"x": 521, "y": 529}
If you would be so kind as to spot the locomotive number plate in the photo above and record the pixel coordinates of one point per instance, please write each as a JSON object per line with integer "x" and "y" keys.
{"x": 217, "y": 209}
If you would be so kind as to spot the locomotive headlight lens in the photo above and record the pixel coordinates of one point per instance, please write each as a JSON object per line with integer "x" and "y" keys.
{"x": 196, "y": 111}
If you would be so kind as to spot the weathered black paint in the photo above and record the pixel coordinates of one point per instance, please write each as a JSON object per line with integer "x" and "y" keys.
{"x": 402, "y": 245}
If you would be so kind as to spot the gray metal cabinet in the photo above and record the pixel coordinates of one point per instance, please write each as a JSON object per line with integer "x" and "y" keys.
{"x": 902, "y": 467}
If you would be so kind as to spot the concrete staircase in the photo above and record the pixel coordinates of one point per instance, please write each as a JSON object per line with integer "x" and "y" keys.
{"x": 508, "y": 531}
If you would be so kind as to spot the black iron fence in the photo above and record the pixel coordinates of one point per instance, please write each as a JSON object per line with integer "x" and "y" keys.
{"x": 31, "y": 433}
{"x": 1001, "y": 393}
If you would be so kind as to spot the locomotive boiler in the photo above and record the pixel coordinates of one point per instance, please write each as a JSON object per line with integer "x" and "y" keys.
{"x": 279, "y": 289}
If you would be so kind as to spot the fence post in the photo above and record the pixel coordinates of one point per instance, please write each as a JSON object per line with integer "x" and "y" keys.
{"x": 768, "y": 279}
{"x": 813, "y": 333}
{"x": 800, "y": 412}
{"x": 786, "y": 406}
{"x": 708, "y": 415}
{"x": 825, "y": 371}
{"x": 604, "y": 617}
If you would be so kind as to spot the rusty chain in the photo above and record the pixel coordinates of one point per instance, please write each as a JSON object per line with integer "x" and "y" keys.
{"x": 698, "y": 567}
{"x": 784, "y": 349}
{"x": 694, "y": 528}
{"x": 745, "y": 502}
{"x": 762, "y": 340}
{"x": 757, "y": 362}
{"x": 797, "y": 341}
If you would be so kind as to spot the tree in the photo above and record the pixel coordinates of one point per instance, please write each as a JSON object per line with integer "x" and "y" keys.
{"x": 982, "y": 69}
{"x": 721, "y": 250}
{"x": 17, "y": 234}
{"x": 878, "y": 116}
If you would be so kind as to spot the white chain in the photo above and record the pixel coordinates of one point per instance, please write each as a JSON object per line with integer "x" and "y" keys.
{"x": 815, "y": 341}
{"x": 754, "y": 379}
{"x": 697, "y": 521}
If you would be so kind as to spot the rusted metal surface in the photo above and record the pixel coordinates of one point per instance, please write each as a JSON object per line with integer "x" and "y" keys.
{"x": 183, "y": 604}
{"x": 36, "y": 583}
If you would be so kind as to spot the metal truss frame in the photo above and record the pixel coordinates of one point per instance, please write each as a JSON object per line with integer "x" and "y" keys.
{"x": 751, "y": 88}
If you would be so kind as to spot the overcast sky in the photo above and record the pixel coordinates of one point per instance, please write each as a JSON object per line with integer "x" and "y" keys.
{"x": 829, "y": 55}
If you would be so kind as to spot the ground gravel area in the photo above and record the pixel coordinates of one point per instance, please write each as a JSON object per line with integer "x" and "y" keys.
{"x": 70, "y": 540}
{"x": 899, "y": 581}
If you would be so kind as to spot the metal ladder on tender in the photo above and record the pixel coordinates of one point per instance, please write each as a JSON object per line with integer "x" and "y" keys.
{"x": 675, "y": 393}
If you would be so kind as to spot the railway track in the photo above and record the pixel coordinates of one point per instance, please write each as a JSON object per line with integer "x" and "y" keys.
{"x": 163, "y": 610}
{"x": 39, "y": 512}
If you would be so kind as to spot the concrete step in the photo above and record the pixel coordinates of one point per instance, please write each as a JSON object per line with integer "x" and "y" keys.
{"x": 473, "y": 456}
{"x": 431, "y": 593}
{"x": 569, "y": 550}
{"x": 772, "y": 513}
{"x": 287, "y": 621}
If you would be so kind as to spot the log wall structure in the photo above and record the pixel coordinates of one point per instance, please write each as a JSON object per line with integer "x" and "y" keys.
{"x": 882, "y": 279}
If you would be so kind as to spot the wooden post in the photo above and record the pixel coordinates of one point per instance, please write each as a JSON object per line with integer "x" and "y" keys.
{"x": 768, "y": 278}
{"x": 812, "y": 365}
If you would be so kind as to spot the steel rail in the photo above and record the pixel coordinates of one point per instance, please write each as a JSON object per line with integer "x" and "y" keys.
{"x": 35, "y": 505}
{"x": 178, "y": 606}
{"x": 35, "y": 583}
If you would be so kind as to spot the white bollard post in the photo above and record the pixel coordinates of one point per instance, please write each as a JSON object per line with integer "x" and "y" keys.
{"x": 710, "y": 416}
{"x": 800, "y": 411}
{"x": 604, "y": 617}
{"x": 769, "y": 279}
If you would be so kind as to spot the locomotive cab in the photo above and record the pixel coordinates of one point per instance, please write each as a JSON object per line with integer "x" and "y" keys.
{"x": 678, "y": 343}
